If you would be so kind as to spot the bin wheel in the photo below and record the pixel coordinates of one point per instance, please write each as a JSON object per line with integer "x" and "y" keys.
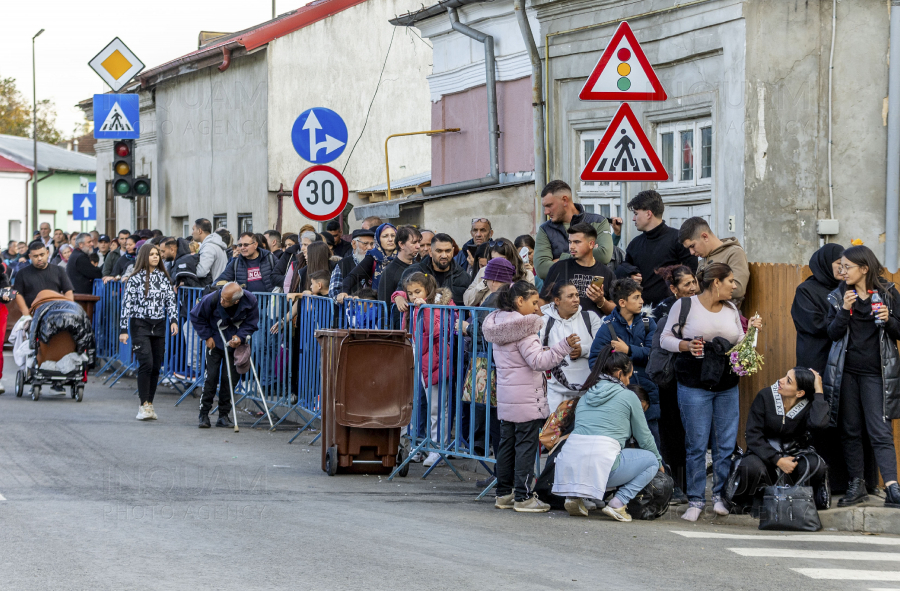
{"x": 401, "y": 457}
{"x": 331, "y": 461}
{"x": 78, "y": 393}
{"x": 35, "y": 392}
{"x": 20, "y": 383}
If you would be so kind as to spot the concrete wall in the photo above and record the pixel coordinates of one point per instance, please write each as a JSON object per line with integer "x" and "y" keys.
{"x": 12, "y": 195}
{"x": 466, "y": 155}
{"x": 211, "y": 142}
{"x": 335, "y": 63}
{"x": 788, "y": 47}
{"x": 510, "y": 209}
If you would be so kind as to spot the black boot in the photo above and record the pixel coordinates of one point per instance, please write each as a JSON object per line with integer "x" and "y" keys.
{"x": 204, "y": 421}
{"x": 224, "y": 421}
{"x": 892, "y": 496}
{"x": 856, "y": 493}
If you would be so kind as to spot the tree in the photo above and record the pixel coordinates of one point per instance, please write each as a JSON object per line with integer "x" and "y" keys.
{"x": 16, "y": 115}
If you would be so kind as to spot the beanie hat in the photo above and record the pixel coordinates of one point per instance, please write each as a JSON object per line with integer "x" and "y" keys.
{"x": 499, "y": 269}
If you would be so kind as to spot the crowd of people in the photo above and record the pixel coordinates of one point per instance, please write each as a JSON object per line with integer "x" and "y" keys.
{"x": 574, "y": 319}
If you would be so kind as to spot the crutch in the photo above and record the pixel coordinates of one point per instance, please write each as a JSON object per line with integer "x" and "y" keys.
{"x": 260, "y": 390}
{"x": 228, "y": 370}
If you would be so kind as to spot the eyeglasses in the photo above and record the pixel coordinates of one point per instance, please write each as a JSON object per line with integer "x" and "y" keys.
{"x": 245, "y": 244}
{"x": 476, "y": 220}
{"x": 846, "y": 268}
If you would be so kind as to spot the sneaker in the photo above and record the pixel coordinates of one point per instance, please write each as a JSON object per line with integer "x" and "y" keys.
{"x": 531, "y": 505}
{"x": 505, "y": 502}
{"x": 143, "y": 412}
{"x": 575, "y": 507}
{"x": 418, "y": 458}
{"x": 678, "y": 497}
{"x": 224, "y": 421}
{"x": 57, "y": 387}
{"x": 2, "y": 389}
{"x": 204, "y": 421}
{"x": 856, "y": 493}
{"x": 431, "y": 460}
{"x": 892, "y": 496}
{"x": 620, "y": 514}
{"x": 152, "y": 412}
{"x": 590, "y": 505}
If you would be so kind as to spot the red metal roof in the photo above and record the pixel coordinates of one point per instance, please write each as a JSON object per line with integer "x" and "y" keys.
{"x": 7, "y": 165}
{"x": 263, "y": 33}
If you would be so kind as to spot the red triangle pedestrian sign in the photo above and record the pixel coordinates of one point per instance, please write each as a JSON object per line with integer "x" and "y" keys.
{"x": 623, "y": 72}
{"x": 624, "y": 153}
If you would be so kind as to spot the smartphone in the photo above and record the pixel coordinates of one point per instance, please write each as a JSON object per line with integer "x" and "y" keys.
{"x": 523, "y": 253}
{"x": 597, "y": 282}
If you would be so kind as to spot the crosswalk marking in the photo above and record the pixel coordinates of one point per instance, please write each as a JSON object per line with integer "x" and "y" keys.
{"x": 848, "y": 574}
{"x": 2, "y": 498}
{"x": 818, "y": 554}
{"x": 839, "y": 539}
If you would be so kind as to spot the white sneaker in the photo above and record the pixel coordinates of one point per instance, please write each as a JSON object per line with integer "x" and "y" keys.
{"x": 2, "y": 389}
{"x": 417, "y": 458}
{"x": 152, "y": 411}
{"x": 432, "y": 459}
{"x": 144, "y": 412}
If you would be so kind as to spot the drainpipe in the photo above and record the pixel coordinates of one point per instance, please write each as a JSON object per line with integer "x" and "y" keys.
{"x": 537, "y": 105}
{"x": 493, "y": 129}
{"x": 226, "y": 59}
{"x": 892, "y": 209}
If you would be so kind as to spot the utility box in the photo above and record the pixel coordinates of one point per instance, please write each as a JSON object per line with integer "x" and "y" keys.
{"x": 827, "y": 227}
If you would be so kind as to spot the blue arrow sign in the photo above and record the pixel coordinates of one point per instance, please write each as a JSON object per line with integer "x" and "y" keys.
{"x": 319, "y": 135}
{"x": 116, "y": 117}
{"x": 92, "y": 187}
{"x": 84, "y": 206}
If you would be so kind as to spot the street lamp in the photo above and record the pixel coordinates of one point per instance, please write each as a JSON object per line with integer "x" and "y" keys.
{"x": 34, "y": 190}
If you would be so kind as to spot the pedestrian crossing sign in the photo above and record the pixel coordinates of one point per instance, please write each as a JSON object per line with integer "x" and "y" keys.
{"x": 116, "y": 64}
{"x": 624, "y": 153}
{"x": 623, "y": 72}
{"x": 116, "y": 117}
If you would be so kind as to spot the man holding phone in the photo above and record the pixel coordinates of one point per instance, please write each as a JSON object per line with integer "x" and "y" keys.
{"x": 591, "y": 278}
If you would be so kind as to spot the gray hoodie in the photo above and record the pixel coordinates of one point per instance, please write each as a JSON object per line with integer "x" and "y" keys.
{"x": 212, "y": 257}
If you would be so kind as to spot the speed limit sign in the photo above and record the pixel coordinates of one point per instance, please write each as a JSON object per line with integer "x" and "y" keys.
{"x": 320, "y": 193}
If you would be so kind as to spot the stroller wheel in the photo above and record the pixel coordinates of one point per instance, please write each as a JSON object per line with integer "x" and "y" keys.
{"x": 20, "y": 383}
{"x": 35, "y": 392}
{"x": 78, "y": 393}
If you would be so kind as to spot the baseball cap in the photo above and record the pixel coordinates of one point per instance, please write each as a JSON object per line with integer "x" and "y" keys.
{"x": 103, "y": 238}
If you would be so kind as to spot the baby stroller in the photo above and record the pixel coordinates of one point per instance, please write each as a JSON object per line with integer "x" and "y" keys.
{"x": 57, "y": 349}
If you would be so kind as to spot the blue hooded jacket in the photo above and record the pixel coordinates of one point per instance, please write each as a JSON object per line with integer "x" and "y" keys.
{"x": 208, "y": 312}
{"x": 639, "y": 341}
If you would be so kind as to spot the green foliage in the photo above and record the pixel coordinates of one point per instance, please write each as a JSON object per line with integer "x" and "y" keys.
{"x": 16, "y": 115}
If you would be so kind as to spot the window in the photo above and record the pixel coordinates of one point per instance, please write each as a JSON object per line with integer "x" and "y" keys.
{"x": 245, "y": 222}
{"x": 587, "y": 143}
{"x": 220, "y": 221}
{"x": 607, "y": 207}
{"x": 688, "y": 163}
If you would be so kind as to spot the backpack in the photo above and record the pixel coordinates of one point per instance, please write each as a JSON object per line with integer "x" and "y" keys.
{"x": 585, "y": 315}
{"x": 661, "y": 365}
{"x": 653, "y": 500}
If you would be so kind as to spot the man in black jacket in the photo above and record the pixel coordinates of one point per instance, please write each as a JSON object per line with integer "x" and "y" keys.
{"x": 442, "y": 267}
{"x": 362, "y": 242}
{"x": 657, "y": 247}
{"x": 408, "y": 239}
{"x": 80, "y": 270}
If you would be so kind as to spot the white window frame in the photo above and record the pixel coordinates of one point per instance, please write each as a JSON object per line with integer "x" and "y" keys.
{"x": 675, "y": 128}
{"x": 588, "y": 189}
{"x": 597, "y": 202}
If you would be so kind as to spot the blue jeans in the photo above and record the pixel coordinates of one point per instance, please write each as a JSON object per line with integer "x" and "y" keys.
{"x": 704, "y": 412}
{"x": 636, "y": 469}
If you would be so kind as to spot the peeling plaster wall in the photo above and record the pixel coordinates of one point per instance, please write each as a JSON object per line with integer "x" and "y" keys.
{"x": 788, "y": 44}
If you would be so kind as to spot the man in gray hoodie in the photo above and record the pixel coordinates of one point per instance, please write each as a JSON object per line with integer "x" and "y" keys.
{"x": 212, "y": 250}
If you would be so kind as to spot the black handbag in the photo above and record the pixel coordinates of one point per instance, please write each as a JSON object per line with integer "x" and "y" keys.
{"x": 733, "y": 484}
{"x": 790, "y": 508}
{"x": 653, "y": 500}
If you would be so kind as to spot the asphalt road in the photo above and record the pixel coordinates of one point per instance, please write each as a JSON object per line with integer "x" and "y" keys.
{"x": 93, "y": 499}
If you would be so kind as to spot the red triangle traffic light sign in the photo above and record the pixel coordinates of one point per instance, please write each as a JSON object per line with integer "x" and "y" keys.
{"x": 623, "y": 72}
{"x": 624, "y": 153}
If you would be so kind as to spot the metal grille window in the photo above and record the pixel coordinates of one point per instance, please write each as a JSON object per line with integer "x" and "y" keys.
{"x": 245, "y": 222}
{"x": 688, "y": 163}
{"x": 220, "y": 221}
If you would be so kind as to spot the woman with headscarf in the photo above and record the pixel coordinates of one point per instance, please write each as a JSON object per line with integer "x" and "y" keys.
{"x": 376, "y": 260}
{"x": 811, "y": 307}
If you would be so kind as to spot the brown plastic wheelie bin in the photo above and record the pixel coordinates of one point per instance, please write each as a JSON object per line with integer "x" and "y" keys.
{"x": 367, "y": 391}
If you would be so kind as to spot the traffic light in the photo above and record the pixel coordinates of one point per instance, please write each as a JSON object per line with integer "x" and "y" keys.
{"x": 141, "y": 186}
{"x": 123, "y": 169}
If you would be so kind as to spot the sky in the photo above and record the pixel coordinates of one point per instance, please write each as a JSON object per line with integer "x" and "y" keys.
{"x": 75, "y": 32}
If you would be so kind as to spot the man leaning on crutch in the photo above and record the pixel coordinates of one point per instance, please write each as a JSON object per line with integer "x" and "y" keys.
{"x": 231, "y": 313}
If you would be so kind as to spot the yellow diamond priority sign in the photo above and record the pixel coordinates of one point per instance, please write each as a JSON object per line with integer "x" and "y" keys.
{"x": 116, "y": 64}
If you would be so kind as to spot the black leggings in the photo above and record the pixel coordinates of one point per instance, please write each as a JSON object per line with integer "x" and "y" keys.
{"x": 862, "y": 405}
{"x": 148, "y": 345}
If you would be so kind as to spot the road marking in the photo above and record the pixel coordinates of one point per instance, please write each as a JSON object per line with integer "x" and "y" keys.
{"x": 873, "y": 540}
{"x": 2, "y": 498}
{"x": 848, "y": 574}
{"x": 884, "y": 589}
{"x": 818, "y": 554}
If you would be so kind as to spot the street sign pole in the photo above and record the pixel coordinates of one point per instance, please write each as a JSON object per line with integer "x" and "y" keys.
{"x": 623, "y": 213}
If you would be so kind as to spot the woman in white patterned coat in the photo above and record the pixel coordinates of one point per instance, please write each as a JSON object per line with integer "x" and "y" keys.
{"x": 148, "y": 308}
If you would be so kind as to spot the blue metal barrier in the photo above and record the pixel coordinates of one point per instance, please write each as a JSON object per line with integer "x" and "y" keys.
{"x": 312, "y": 313}
{"x": 107, "y": 314}
{"x": 185, "y": 354}
{"x": 442, "y": 422}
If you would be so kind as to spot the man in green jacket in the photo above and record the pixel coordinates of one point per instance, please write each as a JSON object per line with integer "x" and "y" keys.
{"x": 552, "y": 243}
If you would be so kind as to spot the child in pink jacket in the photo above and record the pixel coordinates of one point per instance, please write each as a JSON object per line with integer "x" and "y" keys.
{"x": 521, "y": 392}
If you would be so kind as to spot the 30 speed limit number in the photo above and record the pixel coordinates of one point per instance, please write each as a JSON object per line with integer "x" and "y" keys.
{"x": 320, "y": 193}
